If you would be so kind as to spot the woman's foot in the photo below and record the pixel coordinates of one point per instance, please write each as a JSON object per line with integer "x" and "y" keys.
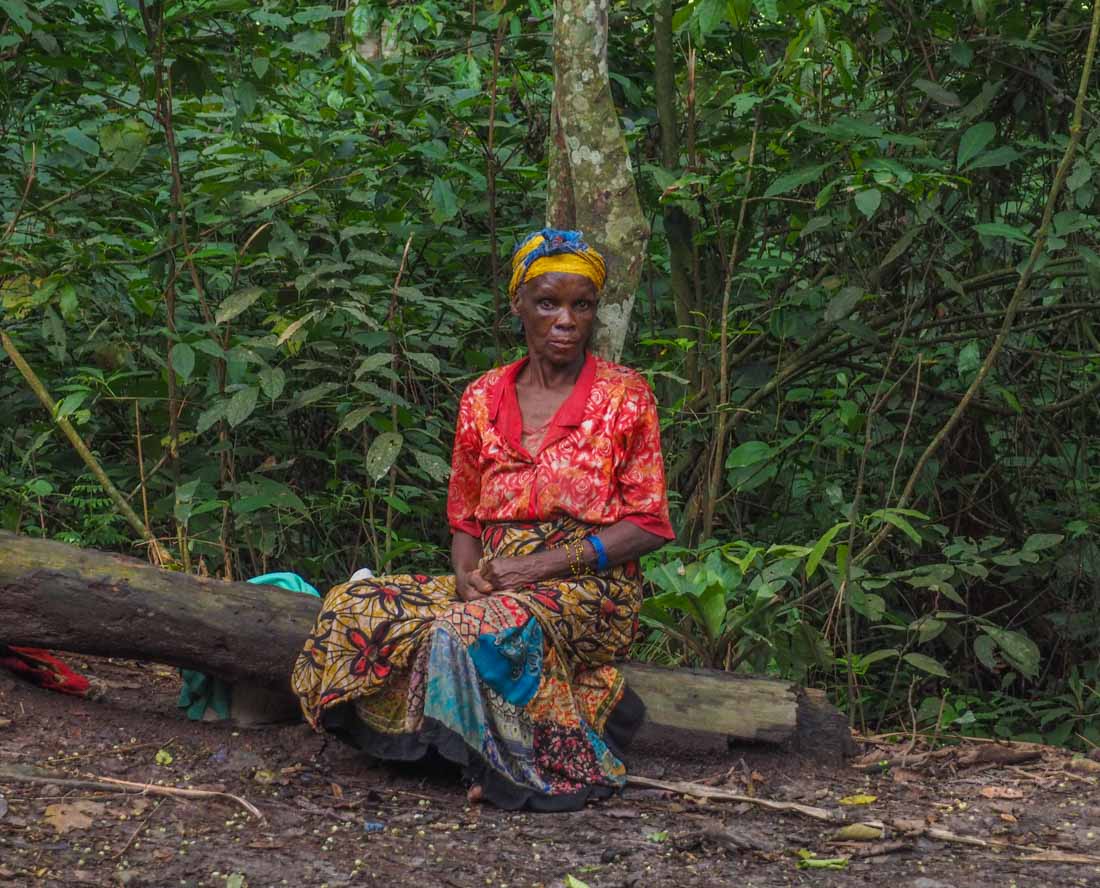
{"x": 474, "y": 794}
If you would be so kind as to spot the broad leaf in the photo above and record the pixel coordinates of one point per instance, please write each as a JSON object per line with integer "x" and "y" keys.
{"x": 182, "y": 359}
{"x": 973, "y": 142}
{"x": 791, "y": 181}
{"x": 241, "y": 405}
{"x": 235, "y": 303}
{"x": 926, "y": 664}
{"x": 382, "y": 453}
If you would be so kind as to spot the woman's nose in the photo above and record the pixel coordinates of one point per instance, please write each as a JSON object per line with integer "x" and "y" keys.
{"x": 565, "y": 320}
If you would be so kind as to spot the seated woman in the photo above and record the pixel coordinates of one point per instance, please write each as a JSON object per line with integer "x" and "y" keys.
{"x": 557, "y": 488}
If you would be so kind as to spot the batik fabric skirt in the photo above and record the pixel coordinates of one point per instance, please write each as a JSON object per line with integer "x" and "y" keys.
{"x": 517, "y": 688}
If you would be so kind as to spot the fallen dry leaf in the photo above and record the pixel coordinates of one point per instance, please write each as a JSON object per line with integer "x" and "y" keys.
{"x": 909, "y": 825}
{"x": 72, "y": 815}
{"x": 859, "y": 799}
{"x": 1002, "y": 792}
{"x": 858, "y": 832}
{"x": 5, "y": 722}
{"x": 1008, "y": 818}
{"x": 1085, "y": 766}
{"x": 904, "y": 775}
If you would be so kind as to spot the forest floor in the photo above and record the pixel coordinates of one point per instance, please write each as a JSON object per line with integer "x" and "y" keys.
{"x": 330, "y": 817}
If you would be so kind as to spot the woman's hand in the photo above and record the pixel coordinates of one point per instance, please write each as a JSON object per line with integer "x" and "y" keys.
{"x": 510, "y": 574}
{"x": 471, "y": 585}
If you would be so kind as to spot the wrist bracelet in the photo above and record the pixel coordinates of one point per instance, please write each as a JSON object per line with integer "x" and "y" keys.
{"x": 601, "y": 552}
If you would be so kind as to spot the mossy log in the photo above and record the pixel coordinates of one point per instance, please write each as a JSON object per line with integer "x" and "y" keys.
{"x": 56, "y": 596}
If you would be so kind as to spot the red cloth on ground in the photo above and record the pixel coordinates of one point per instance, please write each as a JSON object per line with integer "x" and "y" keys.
{"x": 43, "y": 669}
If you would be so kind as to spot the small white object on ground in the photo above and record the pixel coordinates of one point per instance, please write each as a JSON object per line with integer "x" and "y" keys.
{"x": 364, "y": 573}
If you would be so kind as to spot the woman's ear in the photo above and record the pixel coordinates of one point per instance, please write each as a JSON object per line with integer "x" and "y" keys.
{"x": 514, "y": 302}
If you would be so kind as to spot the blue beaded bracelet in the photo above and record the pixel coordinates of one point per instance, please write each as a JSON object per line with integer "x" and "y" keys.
{"x": 601, "y": 552}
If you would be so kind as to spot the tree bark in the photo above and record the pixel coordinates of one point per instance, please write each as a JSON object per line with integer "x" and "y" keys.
{"x": 677, "y": 225}
{"x": 57, "y": 596}
{"x": 591, "y": 181}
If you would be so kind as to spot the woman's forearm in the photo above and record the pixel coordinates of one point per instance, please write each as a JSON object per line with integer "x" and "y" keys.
{"x": 623, "y": 541}
{"x": 465, "y": 552}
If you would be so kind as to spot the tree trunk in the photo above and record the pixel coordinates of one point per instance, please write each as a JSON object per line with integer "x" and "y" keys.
{"x": 677, "y": 225}
{"x": 57, "y": 596}
{"x": 591, "y": 182}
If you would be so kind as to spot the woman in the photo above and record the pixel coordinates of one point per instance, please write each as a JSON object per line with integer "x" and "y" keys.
{"x": 557, "y": 488}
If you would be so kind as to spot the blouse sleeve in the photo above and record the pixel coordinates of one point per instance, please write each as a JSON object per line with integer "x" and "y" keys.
{"x": 641, "y": 474}
{"x": 464, "y": 492}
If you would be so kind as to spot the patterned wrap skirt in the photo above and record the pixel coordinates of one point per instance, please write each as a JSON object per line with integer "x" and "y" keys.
{"x": 517, "y": 688}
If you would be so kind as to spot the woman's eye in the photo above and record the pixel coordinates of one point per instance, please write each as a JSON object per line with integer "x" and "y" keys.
{"x": 584, "y": 305}
{"x": 546, "y": 304}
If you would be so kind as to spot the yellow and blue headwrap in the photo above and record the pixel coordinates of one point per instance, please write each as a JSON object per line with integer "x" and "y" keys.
{"x": 552, "y": 250}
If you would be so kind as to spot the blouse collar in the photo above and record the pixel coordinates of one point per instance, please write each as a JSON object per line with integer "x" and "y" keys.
{"x": 505, "y": 414}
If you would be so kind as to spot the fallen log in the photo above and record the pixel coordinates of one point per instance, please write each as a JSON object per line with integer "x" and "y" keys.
{"x": 56, "y": 596}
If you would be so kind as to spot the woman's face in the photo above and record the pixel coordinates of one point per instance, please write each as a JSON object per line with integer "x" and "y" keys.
{"x": 558, "y": 310}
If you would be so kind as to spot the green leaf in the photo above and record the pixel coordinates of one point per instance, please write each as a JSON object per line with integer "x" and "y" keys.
{"x": 18, "y": 12}
{"x": 1019, "y": 650}
{"x": 444, "y": 202}
{"x": 124, "y": 141}
{"x": 235, "y": 303}
{"x": 973, "y": 142}
{"x": 210, "y": 416}
{"x": 574, "y": 882}
{"x": 1039, "y": 541}
{"x": 309, "y": 42}
{"x": 876, "y": 656}
{"x": 843, "y": 303}
{"x": 895, "y": 517}
{"x": 1001, "y": 229}
{"x": 796, "y": 179}
{"x": 937, "y": 93}
{"x": 768, "y": 8}
{"x": 80, "y": 140}
{"x": 998, "y": 157}
{"x": 295, "y": 327}
{"x": 969, "y": 360}
{"x": 354, "y": 418}
{"x": 272, "y": 381}
{"x": 437, "y": 468}
{"x": 821, "y": 546}
{"x": 182, "y": 360}
{"x": 382, "y": 453}
{"x": 926, "y": 664}
{"x": 985, "y": 651}
{"x": 749, "y": 454}
{"x": 868, "y": 201}
{"x": 426, "y": 360}
{"x": 241, "y": 405}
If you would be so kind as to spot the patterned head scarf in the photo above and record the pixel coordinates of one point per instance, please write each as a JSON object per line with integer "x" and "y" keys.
{"x": 552, "y": 250}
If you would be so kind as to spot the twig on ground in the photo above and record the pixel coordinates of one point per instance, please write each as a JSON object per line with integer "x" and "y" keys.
{"x": 110, "y": 784}
{"x": 140, "y": 827}
{"x": 698, "y": 790}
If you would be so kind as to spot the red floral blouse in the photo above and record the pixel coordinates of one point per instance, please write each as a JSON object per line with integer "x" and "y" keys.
{"x": 600, "y": 461}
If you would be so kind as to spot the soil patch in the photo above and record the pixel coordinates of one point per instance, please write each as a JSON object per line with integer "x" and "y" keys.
{"x": 332, "y": 817}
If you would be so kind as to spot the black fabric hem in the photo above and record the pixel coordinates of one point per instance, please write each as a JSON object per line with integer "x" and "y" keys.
{"x": 623, "y": 722}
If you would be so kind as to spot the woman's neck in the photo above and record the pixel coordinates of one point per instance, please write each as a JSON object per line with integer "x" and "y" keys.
{"x": 541, "y": 373}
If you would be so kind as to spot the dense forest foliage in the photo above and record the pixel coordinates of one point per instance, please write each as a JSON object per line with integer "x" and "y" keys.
{"x": 256, "y": 250}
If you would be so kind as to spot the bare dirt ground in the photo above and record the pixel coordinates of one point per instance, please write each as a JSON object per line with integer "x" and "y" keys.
{"x": 330, "y": 817}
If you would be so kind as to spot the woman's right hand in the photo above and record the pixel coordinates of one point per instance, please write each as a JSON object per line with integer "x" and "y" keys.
{"x": 471, "y": 585}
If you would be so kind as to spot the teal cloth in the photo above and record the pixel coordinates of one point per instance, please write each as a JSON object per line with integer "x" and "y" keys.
{"x": 201, "y": 691}
{"x": 510, "y": 662}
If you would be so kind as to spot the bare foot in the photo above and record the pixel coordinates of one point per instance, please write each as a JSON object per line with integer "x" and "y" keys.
{"x": 474, "y": 794}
